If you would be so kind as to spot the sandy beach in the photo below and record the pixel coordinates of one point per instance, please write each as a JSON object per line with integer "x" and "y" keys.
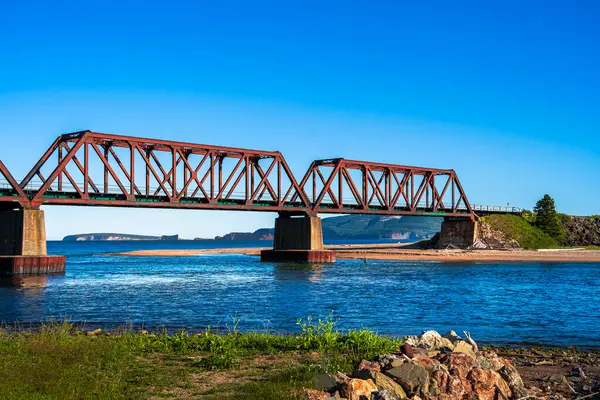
{"x": 405, "y": 252}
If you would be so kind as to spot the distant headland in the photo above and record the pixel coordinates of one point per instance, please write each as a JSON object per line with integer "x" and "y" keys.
{"x": 86, "y": 237}
{"x": 347, "y": 227}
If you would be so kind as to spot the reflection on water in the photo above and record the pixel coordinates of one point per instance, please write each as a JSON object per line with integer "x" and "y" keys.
{"x": 24, "y": 281}
{"x": 549, "y": 303}
{"x": 299, "y": 271}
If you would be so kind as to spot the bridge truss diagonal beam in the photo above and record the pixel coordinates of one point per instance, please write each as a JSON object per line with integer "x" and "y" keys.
{"x": 11, "y": 192}
{"x": 97, "y": 169}
{"x": 90, "y": 168}
{"x": 361, "y": 187}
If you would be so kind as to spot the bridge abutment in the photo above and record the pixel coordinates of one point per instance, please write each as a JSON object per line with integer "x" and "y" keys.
{"x": 459, "y": 233}
{"x": 298, "y": 239}
{"x": 23, "y": 244}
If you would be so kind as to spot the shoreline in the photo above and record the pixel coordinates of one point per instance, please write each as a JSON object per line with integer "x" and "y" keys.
{"x": 116, "y": 329}
{"x": 402, "y": 252}
{"x": 241, "y": 365}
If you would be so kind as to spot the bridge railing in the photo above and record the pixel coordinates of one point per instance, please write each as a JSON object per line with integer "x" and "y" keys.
{"x": 497, "y": 209}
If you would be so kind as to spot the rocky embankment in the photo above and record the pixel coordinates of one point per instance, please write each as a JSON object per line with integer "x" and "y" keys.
{"x": 490, "y": 238}
{"x": 434, "y": 367}
{"x": 582, "y": 231}
{"x": 487, "y": 238}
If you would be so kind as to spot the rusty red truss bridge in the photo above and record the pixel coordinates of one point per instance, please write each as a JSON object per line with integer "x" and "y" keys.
{"x": 96, "y": 169}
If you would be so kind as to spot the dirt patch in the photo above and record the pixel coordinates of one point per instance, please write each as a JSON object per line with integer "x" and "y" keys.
{"x": 572, "y": 373}
{"x": 213, "y": 384}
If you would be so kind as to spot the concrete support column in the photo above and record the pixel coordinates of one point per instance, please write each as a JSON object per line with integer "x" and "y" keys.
{"x": 304, "y": 233}
{"x": 298, "y": 240}
{"x": 22, "y": 233}
{"x": 458, "y": 233}
{"x": 23, "y": 244}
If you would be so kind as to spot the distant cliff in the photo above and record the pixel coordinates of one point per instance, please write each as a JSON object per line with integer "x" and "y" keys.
{"x": 346, "y": 227}
{"x": 261, "y": 234}
{"x": 356, "y": 227}
{"x": 114, "y": 236}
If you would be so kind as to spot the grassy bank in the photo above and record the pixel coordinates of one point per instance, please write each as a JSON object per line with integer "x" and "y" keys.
{"x": 58, "y": 361}
{"x": 516, "y": 227}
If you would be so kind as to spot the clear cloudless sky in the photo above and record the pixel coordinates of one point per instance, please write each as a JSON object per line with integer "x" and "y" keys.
{"x": 507, "y": 92}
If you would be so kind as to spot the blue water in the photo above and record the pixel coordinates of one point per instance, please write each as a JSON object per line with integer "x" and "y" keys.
{"x": 552, "y": 303}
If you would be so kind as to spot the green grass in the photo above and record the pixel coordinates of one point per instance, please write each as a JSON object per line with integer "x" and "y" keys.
{"x": 527, "y": 235}
{"x": 60, "y": 362}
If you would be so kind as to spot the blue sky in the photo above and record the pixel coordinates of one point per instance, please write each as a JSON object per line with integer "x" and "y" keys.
{"x": 504, "y": 92}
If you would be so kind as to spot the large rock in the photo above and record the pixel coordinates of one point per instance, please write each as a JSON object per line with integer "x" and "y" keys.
{"x": 458, "y": 364}
{"x": 385, "y": 395}
{"x": 326, "y": 382}
{"x": 484, "y": 363}
{"x": 486, "y": 383}
{"x": 383, "y": 382}
{"x": 407, "y": 350}
{"x": 428, "y": 363}
{"x": 465, "y": 348}
{"x": 414, "y": 378}
{"x": 446, "y": 343}
{"x": 492, "y": 359}
{"x": 342, "y": 378}
{"x": 452, "y": 336}
{"x": 358, "y": 389}
{"x": 430, "y": 340}
{"x": 512, "y": 377}
{"x": 444, "y": 386}
{"x": 369, "y": 366}
{"x": 388, "y": 361}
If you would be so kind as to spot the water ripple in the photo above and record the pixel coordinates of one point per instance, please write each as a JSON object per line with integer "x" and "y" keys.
{"x": 554, "y": 303}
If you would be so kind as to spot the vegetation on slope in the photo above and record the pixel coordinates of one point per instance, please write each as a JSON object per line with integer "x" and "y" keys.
{"x": 546, "y": 228}
{"x": 61, "y": 362}
{"x": 516, "y": 227}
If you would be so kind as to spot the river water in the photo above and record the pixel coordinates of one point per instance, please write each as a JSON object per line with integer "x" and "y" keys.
{"x": 551, "y": 303}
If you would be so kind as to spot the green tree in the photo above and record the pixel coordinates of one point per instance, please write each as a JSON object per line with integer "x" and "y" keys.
{"x": 546, "y": 218}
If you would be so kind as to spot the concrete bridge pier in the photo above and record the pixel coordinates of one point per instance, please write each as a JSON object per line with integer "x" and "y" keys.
{"x": 458, "y": 233}
{"x": 23, "y": 243}
{"x": 298, "y": 239}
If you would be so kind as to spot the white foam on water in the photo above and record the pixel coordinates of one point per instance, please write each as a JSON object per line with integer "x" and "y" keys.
{"x": 231, "y": 278}
{"x": 129, "y": 280}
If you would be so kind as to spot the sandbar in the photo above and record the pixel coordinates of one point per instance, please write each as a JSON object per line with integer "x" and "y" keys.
{"x": 404, "y": 252}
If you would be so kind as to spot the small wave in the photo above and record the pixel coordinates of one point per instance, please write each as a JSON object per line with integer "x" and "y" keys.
{"x": 130, "y": 280}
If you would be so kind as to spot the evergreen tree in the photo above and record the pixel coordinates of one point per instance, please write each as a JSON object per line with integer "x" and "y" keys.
{"x": 546, "y": 218}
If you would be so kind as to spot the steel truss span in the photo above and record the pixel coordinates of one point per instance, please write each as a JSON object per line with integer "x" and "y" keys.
{"x": 96, "y": 169}
{"x": 361, "y": 187}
